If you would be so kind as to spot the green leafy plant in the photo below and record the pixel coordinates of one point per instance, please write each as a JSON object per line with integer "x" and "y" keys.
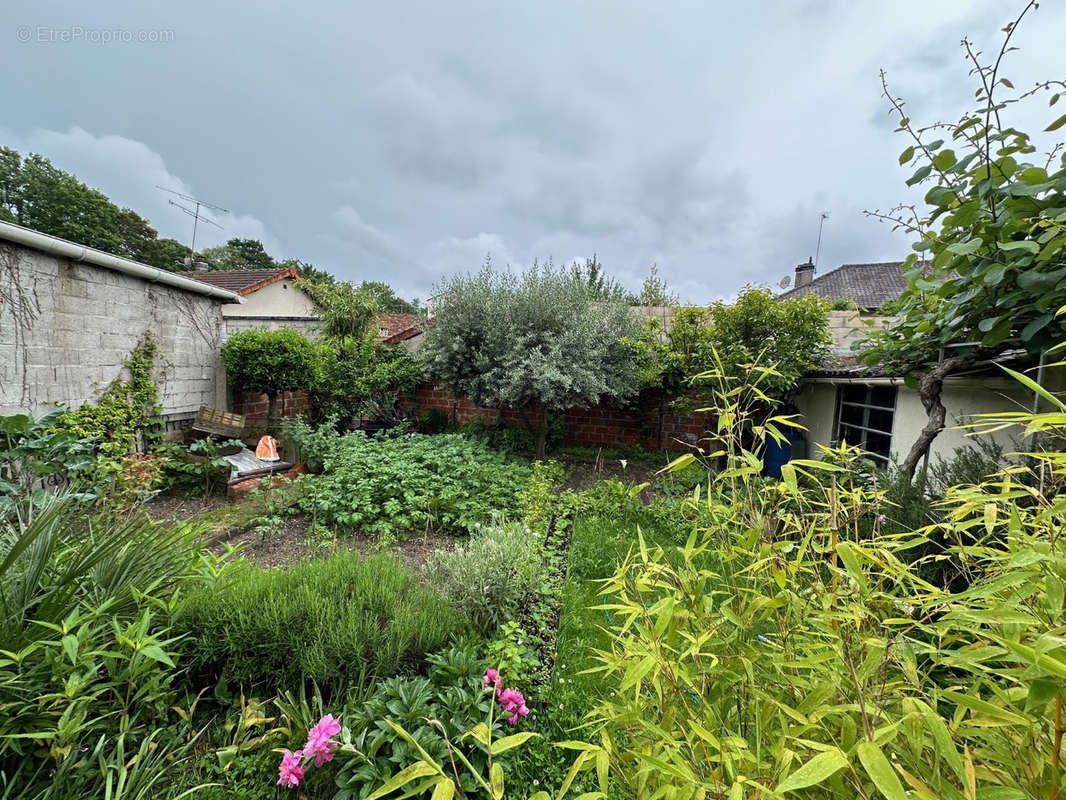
{"x": 340, "y": 622}
{"x": 311, "y": 443}
{"x": 988, "y": 271}
{"x": 34, "y": 455}
{"x": 404, "y": 484}
{"x": 126, "y": 417}
{"x": 87, "y": 660}
{"x": 269, "y": 362}
{"x": 511, "y": 653}
{"x": 780, "y": 652}
{"x": 539, "y": 343}
{"x": 452, "y": 693}
{"x": 489, "y": 576}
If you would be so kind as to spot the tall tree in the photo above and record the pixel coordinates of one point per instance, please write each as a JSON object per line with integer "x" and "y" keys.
{"x": 386, "y": 298}
{"x": 239, "y": 254}
{"x": 654, "y": 291}
{"x": 989, "y": 269}
{"x": 544, "y": 341}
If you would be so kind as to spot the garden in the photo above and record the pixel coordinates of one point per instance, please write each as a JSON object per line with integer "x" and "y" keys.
{"x": 441, "y": 612}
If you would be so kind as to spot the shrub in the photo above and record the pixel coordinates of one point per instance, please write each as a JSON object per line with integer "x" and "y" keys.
{"x": 88, "y": 665}
{"x": 536, "y": 501}
{"x": 269, "y": 362}
{"x": 783, "y": 653}
{"x": 340, "y": 622}
{"x": 358, "y": 376}
{"x": 488, "y": 578}
{"x": 546, "y": 340}
{"x": 452, "y": 693}
{"x": 311, "y": 443}
{"x": 501, "y": 435}
{"x": 446, "y": 482}
{"x": 33, "y": 453}
{"x": 969, "y": 465}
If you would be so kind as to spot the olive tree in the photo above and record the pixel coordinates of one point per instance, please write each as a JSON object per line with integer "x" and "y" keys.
{"x": 269, "y": 362}
{"x": 989, "y": 269}
{"x": 538, "y": 342}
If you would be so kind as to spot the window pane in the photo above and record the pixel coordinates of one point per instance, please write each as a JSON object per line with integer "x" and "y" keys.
{"x": 879, "y": 443}
{"x": 853, "y": 394}
{"x": 880, "y": 420}
{"x": 883, "y": 396}
{"x": 850, "y": 415}
{"x": 850, "y": 435}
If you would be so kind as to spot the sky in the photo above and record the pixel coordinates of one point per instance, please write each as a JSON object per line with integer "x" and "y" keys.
{"x": 405, "y": 142}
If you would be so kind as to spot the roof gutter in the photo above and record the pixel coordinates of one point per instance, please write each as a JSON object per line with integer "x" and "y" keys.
{"x": 77, "y": 252}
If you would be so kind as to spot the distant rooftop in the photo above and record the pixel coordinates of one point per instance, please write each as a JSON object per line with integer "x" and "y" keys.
{"x": 243, "y": 281}
{"x": 869, "y": 286}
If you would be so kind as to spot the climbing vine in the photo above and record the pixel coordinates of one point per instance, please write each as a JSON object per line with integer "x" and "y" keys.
{"x": 126, "y": 418}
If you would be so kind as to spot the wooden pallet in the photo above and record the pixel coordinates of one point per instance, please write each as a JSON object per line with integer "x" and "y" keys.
{"x": 219, "y": 423}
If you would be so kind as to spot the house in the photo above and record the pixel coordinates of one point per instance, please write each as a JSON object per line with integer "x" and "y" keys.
{"x": 398, "y": 325}
{"x": 406, "y": 330}
{"x": 70, "y": 315}
{"x": 270, "y": 298}
{"x": 844, "y": 400}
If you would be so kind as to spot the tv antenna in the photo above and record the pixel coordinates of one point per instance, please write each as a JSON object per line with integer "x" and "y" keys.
{"x": 196, "y": 214}
{"x": 818, "y": 249}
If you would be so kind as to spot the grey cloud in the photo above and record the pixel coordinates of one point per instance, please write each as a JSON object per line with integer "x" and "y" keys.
{"x": 401, "y": 142}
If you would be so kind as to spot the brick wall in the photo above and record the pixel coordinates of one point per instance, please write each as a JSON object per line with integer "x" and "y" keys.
{"x": 255, "y": 406}
{"x": 66, "y": 327}
{"x": 651, "y": 424}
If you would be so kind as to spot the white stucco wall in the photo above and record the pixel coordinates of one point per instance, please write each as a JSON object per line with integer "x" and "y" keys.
{"x": 962, "y": 397}
{"x": 280, "y": 299}
{"x": 67, "y": 327}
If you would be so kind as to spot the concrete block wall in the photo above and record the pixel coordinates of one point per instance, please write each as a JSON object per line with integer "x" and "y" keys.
{"x": 308, "y": 326}
{"x": 66, "y": 328}
{"x": 847, "y": 327}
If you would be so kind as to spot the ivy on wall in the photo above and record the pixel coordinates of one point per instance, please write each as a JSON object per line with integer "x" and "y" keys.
{"x": 127, "y": 417}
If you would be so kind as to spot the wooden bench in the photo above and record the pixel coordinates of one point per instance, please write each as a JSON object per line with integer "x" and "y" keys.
{"x": 216, "y": 422}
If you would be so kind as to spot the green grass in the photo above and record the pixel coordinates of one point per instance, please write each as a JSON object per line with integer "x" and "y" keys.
{"x": 341, "y": 622}
{"x": 602, "y": 536}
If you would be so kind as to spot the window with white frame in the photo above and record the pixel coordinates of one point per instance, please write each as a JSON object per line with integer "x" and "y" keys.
{"x": 865, "y": 416}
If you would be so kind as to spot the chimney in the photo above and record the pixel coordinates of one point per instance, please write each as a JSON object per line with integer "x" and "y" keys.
{"x": 804, "y": 273}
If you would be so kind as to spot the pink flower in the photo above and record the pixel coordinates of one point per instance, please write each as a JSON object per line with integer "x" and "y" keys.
{"x": 320, "y": 742}
{"x": 492, "y": 678}
{"x": 290, "y": 773}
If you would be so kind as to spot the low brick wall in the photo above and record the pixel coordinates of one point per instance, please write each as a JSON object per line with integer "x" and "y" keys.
{"x": 650, "y": 424}
{"x": 255, "y": 406}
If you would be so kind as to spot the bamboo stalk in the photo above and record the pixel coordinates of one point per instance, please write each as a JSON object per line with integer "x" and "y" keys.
{"x": 1056, "y": 754}
{"x": 834, "y": 533}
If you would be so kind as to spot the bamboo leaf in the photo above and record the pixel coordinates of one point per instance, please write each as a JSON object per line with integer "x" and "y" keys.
{"x": 880, "y": 770}
{"x": 814, "y": 771}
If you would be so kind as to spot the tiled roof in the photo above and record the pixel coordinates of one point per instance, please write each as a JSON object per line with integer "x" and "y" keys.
{"x": 866, "y": 285}
{"x": 243, "y": 281}
{"x": 394, "y": 322}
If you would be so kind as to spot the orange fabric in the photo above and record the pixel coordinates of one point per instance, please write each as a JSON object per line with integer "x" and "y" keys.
{"x": 267, "y": 449}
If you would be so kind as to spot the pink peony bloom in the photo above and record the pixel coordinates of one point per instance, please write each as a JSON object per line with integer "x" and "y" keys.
{"x": 492, "y": 677}
{"x": 513, "y": 719}
{"x": 290, "y": 773}
{"x": 320, "y": 742}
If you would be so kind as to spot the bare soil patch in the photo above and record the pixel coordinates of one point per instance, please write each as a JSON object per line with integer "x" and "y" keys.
{"x": 585, "y": 474}
{"x": 180, "y": 508}
{"x": 293, "y": 541}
